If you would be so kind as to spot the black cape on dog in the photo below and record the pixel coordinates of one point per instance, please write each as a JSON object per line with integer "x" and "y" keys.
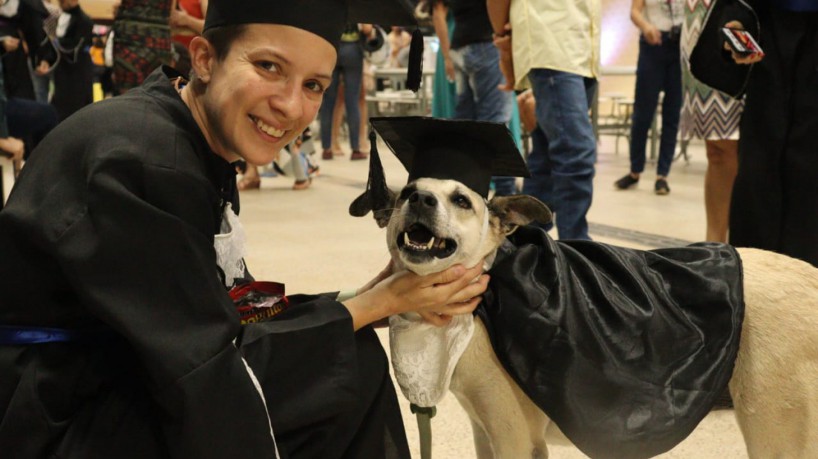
{"x": 626, "y": 350}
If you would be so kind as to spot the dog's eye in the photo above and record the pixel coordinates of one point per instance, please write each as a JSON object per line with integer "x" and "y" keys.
{"x": 461, "y": 201}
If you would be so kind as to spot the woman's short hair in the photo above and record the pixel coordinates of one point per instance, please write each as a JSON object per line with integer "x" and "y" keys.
{"x": 223, "y": 37}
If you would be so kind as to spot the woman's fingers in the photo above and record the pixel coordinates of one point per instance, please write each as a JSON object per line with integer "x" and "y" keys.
{"x": 466, "y": 307}
{"x": 438, "y": 320}
{"x": 457, "y": 274}
{"x": 747, "y": 60}
{"x": 470, "y": 291}
{"x": 446, "y": 276}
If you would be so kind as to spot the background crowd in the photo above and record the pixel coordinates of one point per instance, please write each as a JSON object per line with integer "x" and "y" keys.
{"x": 53, "y": 54}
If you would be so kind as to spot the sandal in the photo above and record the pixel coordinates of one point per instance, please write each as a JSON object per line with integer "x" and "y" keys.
{"x": 247, "y": 183}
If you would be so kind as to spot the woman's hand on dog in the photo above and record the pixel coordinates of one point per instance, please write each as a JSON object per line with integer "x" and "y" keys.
{"x": 436, "y": 297}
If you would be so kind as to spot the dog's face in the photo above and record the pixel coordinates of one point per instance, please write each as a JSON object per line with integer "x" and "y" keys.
{"x": 435, "y": 224}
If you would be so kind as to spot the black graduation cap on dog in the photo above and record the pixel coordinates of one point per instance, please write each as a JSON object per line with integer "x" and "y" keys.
{"x": 325, "y": 18}
{"x": 470, "y": 152}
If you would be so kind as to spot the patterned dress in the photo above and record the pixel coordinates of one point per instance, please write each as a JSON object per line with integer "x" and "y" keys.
{"x": 141, "y": 41}
{"x": 706, "y": 113}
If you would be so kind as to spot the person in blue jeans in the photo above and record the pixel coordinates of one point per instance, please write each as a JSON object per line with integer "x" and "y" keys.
{"x": 657, "y": 70}
{"x": 350, "y": 66}
{"x": 555, "y": 52}
{"x": 563, "y": 149}
{"x": 472, "y": 62}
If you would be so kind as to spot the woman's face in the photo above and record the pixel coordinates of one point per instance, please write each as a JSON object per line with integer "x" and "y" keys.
{"x": 264, "y": 92}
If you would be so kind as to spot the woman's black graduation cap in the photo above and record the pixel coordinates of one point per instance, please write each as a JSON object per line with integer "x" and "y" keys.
{"x": 325, "y": 18}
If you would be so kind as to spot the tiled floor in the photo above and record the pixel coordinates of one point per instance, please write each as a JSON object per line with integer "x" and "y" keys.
{"x": 307, "y": 240}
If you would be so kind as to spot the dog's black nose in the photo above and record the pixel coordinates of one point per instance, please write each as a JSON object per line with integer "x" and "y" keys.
{"x": 422, "y": 199}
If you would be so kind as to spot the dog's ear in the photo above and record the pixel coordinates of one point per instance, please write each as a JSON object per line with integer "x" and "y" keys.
{"x": 381, "y": 205}
{"x": 517, "y": 210}
{"x": 378, "y": 197}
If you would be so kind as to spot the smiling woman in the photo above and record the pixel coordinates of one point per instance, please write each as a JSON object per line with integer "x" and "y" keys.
{"x": 256, "y": 97}
{"x": 114, "y": 277}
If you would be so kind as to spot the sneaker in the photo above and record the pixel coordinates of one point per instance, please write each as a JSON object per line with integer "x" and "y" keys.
{"x": 357, "y": 154}
{"x": 327, "y": 154}
{"x": 661, "y": 187}
{"x": 626, "y": 182}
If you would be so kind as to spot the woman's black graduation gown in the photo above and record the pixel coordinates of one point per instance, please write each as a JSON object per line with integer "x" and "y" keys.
{"x": 775, "y": 198}
{"x": 74, "y": 75}
{"x": 110, "y": 232}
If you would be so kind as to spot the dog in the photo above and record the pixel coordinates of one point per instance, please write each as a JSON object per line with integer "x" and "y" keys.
{"x": 434, "y": 224}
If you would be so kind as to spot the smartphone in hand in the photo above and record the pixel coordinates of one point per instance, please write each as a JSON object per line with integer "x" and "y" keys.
{"x": 742, "y": 42}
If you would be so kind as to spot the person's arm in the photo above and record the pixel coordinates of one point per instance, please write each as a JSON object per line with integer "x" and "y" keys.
{"x": 436, "y": 297}
{"x": 527, "y": 108}
{"x": 652, "y": 35}
{"x": 499, "y": 15}
{"x": 439, "y": 13}
{"x": 500, "y": 22}
{"x": 181, "y": 18}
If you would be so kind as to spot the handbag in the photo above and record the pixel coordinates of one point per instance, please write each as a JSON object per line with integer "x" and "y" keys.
{"x": 376, "y": 49}
{"x": 709, "y": 62}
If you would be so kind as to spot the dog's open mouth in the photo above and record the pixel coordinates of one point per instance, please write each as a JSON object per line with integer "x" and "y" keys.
{"x": 419, "y": 240}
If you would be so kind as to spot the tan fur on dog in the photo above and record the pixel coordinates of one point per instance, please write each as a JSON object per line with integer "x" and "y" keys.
{"x": 775, "y": 380}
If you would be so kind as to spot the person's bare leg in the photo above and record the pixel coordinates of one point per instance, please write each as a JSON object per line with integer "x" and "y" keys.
{"x": 337, "y": 118}
{"x": 722, "y": 165}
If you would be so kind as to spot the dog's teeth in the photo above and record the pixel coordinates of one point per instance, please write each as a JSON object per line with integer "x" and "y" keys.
{"x": 442, "y": 244}
{"x": 406, "y": 239}
{"x": 430, "y": 244}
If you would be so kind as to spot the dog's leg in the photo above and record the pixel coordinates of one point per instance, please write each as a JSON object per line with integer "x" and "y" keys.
{"x": 482, "y": 444}
{"x": 774, "y": 384}
{"x": 502, "y": 415}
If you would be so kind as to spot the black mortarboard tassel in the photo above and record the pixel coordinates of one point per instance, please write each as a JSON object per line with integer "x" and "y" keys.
{"x": 470, "y": 152}
{"x": 377, "y": 196}
{"x": 414, "y": 73}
